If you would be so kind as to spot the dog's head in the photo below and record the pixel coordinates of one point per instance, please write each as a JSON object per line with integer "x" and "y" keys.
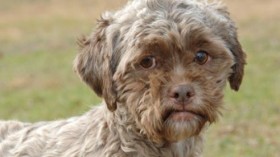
{"x": 166, "y": 62}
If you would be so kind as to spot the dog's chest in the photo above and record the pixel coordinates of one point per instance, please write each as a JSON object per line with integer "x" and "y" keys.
{"x": 179, "y": 149}
{"x": 187, "y": 148}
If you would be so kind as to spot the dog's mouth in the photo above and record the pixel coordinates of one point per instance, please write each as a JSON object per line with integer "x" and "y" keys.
{"x": 182, "y": 115}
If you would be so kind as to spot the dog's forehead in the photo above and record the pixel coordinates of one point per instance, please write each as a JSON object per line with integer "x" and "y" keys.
{"x": 148, "y": 11}
{"x": 141, "y": 18}
{"x": 180, "y": 24}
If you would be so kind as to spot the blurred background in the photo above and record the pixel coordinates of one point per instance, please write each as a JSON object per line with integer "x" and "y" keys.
{"x": 37, "y": 82}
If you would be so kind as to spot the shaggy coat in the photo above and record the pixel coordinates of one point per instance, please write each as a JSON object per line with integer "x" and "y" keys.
{"x": 160, "y": 67}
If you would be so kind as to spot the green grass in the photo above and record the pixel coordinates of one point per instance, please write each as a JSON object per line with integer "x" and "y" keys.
{"x": 37, "y": 82}
{"x": 38, "y": 45}
{"x": 38, "y": 86}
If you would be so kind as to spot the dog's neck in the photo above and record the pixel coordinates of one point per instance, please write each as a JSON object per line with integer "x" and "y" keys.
{"x": 124, "y": 127}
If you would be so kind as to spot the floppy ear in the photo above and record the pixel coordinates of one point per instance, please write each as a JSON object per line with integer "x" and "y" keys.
{"x": 222, "y": 25}
{"x": 235, "y": 78}
{"x": 231, "y": 38}
{"x": 93, "y": 64}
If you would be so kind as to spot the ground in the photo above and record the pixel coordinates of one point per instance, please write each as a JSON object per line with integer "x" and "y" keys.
{"x": 37, "y": 82}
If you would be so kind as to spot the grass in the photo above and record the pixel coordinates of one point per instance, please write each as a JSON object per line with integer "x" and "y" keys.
{"x": 37, "y": 46}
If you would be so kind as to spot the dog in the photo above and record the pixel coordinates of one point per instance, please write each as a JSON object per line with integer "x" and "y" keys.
{"x": 161, "y": 67}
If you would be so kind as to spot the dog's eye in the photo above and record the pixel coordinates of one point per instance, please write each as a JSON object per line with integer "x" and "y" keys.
{"x": 148, "y": 62}
{"x": 201, "y": 57}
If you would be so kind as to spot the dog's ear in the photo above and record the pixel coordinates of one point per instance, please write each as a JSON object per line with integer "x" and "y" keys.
{"x": 236, "y": 77}
{"x": 224, "y": 27}
{"x": 93, "y": 63}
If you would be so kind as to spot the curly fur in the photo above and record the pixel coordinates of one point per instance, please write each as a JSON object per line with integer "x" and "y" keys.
{"x": 138, "y": 117}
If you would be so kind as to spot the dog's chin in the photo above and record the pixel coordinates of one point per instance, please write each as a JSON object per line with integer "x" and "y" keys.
{"x": 179, "y": 125}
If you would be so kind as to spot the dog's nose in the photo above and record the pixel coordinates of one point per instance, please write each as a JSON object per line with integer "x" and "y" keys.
{"x": 182, "y": 93}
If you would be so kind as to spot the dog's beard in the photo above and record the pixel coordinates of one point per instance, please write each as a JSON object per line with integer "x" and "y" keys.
{"x": 170, "y": 125}
{"x": 181, "y": 121}
{"x": 181, "y": 125}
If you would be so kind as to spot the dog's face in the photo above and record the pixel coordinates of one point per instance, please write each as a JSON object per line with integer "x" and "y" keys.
{"x": 165, "y": 62}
